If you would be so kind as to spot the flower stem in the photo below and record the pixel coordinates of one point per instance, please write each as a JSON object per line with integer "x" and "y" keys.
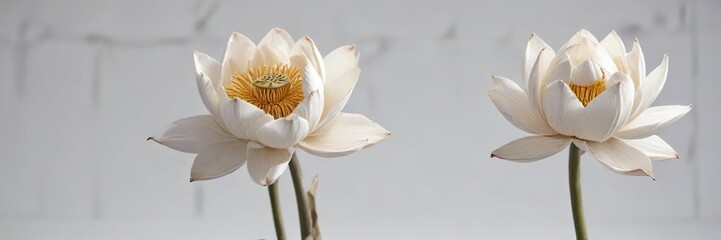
{"x": 303, "y": 211}
{"x": 277, "y": 216}
{"x": 574, "y": 175}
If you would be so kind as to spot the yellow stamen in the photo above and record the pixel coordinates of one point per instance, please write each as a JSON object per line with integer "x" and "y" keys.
{"x": 586, "y": 93}
{"x": 275, "y": 89}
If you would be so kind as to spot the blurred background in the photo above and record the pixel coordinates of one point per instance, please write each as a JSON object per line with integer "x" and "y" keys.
{"x": 83, "y": 83}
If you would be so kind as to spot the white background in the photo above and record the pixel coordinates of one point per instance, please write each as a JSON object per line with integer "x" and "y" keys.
{"x": 83, "y": 83}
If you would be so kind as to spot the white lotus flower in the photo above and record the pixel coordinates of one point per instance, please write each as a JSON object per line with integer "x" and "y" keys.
{"x": 266, "y": 100}
{"x": 593, "y": 94}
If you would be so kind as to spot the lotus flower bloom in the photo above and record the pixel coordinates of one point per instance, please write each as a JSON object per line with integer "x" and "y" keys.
{"x": 265, "y": 101}
{"x": 592, "y": 94}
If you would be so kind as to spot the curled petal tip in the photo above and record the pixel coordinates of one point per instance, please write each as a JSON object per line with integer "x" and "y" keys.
{"x": 192, "y": 180}
{"x": 352, "y": 47}
{"x": 149, "y": 138}
{"x": 493, "y": 155}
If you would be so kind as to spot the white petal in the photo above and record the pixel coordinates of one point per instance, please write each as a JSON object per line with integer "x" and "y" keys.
{"x": 343, "y": 135}
{"x": 339, "y": 61}
{"x": 652, "y": 121}
{"x": 586, "y": 73}
{"x": 306, "y": 47}
{"x": 636, "y": 65}
{"x": 193, "y": 134}
{"x": 532, "y": 148}
{"x": 617, "y": 51}
{"x": 206, "y": 65}
{"x": 265, "y": 164}
{"x": 621, "y": 157}
{"x": 606, "y": 113}
{"x": 277, "y": 39}
{"x": 208, "y": 76}
{"x": 237, "y": 56}
{"x": 219, "y": 160}
{"x": 337, "y": 93}
{"x": 266, "y": 55}
{"x": 561, "y": 107}
{"x": 601, "y": 57}
{"x": 654, "y": 147}
{"x": 534, "y": 56}
{"x": 310, "y": 109}
{"x": 559, "y": 69}
{"x": 580, "y": 52}
{"x": 243, "y": 119}
{"x": 581, "y": 144}
{"x": 283, "y": 132}
{"x": 274, "y": 48}
{"x": 513, "y": 103}
{"x": 650, "y": 87}
{"x": 535, "y": 84}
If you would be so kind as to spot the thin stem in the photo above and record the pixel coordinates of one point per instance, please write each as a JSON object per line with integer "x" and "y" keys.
{"x": 277, "y": 216}
{"x": 574, "y": 182}
{"x": 303, "y": 210}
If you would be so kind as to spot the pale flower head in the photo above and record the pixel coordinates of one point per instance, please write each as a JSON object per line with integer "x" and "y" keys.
{"x": 265, "y": 101}
{"x": 591, "y": 93}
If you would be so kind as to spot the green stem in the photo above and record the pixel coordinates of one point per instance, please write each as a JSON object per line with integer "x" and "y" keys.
{"x": 277, "y": 216}
{"x": 303, "y": 210}
{"x": 574, "y": 175}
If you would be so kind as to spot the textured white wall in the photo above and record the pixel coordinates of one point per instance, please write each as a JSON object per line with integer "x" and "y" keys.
{"x": 83, "y": 83}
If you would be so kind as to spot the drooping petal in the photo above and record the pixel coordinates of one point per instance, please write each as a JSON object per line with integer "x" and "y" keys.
{"x": 532, "y": 148}
{"x": 208, "y": 76}
{"x": 654, "y": 147}
{"x": 650, "y": 87}
{"x": 219, "y": 160}
{"x": 337, "y": 93}
{"x": 621, "y": 157}
{"x": 237, "y": 56}
{"x": 606, "y": 113}
{"x": 340, "y": 61}
{"x": 193, "y": 134}
{"x": 561, "y": 107}
{"x": 306, "y": 47}
{"x": 513, "y": 103}
{"x": 310, "y": 109}
{"x": 652, "y": 121}
{"x": 535, "y": 83}
{"x": 243, "y": 119}
{"x": 283, "y": 132}
{"x": 617, "y": 51}
{"x": 535, "y": 55}
{"x": 636, "y": 66}
{"x": 343, "y": 135}
{"x": 266, "y": 164}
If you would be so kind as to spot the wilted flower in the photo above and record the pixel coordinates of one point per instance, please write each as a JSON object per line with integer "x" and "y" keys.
{"x": 592, "y": 94}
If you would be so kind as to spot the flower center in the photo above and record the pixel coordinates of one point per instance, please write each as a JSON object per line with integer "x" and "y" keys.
{"x": 275, "y": 89}
{"x": 587, "y": 93}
